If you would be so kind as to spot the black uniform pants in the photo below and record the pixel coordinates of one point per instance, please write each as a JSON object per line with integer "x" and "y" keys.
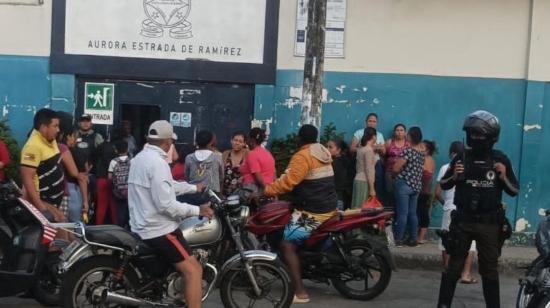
{"x": 488, "y": 246}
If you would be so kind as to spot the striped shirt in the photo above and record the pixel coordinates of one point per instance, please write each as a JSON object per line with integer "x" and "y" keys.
{"x": 44, "y": 156}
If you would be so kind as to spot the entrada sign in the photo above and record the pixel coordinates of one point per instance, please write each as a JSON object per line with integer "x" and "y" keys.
{"x": 99, "y": 102}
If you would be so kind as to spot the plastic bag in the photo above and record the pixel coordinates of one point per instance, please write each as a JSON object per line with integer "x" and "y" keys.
{"x": 372, "y": 203}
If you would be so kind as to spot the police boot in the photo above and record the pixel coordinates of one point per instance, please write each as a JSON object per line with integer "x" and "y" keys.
{"x": 491, "y": 292}
{"x": 446, "y": 290}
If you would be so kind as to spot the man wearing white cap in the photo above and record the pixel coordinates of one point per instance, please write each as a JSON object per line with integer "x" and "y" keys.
{"x": 155, "y": 213}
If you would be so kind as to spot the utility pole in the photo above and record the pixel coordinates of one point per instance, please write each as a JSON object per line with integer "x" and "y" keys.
{"x": 312, "y": 90}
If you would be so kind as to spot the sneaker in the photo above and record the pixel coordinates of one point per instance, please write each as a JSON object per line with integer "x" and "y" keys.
{"x": 399, "y": 244}
{"x": 412, "y": 244}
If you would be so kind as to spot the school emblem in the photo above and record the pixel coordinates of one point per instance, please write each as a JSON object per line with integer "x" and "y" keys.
{"x": 167, "y": 16}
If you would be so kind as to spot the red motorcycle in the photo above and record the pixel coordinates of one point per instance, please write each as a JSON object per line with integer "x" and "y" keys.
{"x": 358, "y": 267}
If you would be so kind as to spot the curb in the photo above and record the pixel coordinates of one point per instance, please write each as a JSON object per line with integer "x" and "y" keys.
{"x": 513, "y": 261}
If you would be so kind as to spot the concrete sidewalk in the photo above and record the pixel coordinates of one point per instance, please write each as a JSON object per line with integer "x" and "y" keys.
{"x": 427, "y": 256}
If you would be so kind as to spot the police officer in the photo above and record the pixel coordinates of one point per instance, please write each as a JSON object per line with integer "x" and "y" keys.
{"x": 88, "y": 140}
{"x": 479, "y": 177}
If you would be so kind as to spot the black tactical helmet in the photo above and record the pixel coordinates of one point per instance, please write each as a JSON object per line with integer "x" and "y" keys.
{"x": 482, "y": 123}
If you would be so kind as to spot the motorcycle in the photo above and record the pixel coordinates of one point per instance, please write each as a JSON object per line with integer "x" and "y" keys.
{"x": 358, "y": 268}
{"x": 534, "y": 291}
{"x": 26, "y": 263}
{"x": 109, "y": 265}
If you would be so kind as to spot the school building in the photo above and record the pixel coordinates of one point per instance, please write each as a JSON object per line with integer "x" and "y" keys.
{"x": 229, "y": 64}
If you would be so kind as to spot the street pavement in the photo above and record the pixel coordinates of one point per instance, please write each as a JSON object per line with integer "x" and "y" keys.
{"x": 408, "y": 288}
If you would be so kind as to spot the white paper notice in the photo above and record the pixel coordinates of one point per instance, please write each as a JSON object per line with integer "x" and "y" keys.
{"x": 335, "y": 28}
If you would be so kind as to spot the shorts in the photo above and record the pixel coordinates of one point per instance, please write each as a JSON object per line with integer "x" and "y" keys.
{"x": 64, "y": 206}
{"x": 445, "y": 223}
{"x": 171, "y": 246}
{"x": 302, "y": 224}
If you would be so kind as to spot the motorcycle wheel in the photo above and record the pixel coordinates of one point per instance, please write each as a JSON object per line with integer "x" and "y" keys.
{"x": 544, "y": 302}
{"x": 47, "y": 289}
{"x": 523, "y": 299}
{"x": 375, "y": 267}
{"x": 272, "y": 277}
{"x": 76, "y": 289}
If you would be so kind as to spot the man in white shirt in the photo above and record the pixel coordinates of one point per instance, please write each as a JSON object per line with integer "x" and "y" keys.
{"x": 155, "y": 214}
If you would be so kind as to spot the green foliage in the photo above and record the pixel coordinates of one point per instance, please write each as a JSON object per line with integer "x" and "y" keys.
{"x": 329, "y": 132}
{"x": 283, "y": 148}
{"x": 12, "y": 171}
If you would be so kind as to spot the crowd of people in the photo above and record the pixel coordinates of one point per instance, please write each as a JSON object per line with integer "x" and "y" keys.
{"x": 397, "y": 171}
{"x": 71, "y": 173}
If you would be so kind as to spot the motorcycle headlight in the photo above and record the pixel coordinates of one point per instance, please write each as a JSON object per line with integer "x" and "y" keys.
{"x": 243, "y": 215}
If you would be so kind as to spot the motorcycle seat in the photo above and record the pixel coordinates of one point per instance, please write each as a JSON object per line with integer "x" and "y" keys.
{"x": 114, "y": 236}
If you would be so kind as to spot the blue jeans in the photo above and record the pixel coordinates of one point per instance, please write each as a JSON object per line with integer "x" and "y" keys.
{"x": 75, "y": 203}
{"x": 406, "y": 200}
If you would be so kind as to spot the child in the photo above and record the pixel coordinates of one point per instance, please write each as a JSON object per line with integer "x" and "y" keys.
{"x": 118, "y": 171}
{"x": 343, "y": 172}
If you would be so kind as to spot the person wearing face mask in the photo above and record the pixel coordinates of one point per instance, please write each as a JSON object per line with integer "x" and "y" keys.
{"x": 479, "y": 177}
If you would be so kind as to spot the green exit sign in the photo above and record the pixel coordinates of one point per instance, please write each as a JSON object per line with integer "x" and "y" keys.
{"x": 99, "y": 101}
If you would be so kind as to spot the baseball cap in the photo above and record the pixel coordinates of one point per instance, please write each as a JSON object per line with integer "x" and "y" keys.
{"x": 161, "y": 129}
{"x": 85, "y": 116}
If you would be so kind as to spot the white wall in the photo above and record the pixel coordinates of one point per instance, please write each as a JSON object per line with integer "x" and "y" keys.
{"x": 25, "y": 29}
{"x": 436, "y": 37}
{"x": 487, "y": 38}
{"x": 539, "y": 58}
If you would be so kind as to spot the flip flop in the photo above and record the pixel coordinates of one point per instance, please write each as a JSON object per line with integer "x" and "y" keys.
{"x": 468, "y": 281}
{"x": 298, "y": 300}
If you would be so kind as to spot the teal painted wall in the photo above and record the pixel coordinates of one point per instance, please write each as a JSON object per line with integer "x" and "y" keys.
{"x": 535, "y": 164}
{"x": 437, "y": 104}
{"x": 26, "y": 86}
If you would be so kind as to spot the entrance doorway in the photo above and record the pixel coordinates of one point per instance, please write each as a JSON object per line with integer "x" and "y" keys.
{"x": 141, "y": 117}
{"x": 190, "y": 107}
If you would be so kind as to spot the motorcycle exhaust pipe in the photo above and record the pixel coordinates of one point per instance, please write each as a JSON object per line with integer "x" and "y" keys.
{"x": 108, "y": 297}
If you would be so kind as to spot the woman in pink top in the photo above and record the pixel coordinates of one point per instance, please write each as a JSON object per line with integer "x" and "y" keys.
{"x": 258, "y": 168}
{"x": 394, "y": 147}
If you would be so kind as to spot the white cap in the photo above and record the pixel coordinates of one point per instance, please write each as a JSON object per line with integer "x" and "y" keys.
{"x": 161, "y": 129}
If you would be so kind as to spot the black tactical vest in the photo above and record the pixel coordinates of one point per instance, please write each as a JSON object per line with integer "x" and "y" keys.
{"x": 480, "y": 192}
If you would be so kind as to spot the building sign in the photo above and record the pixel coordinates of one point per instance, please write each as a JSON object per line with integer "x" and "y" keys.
{"x": 335, "y": 28}
{"x": 214, "y": 30}
{"x": 99, "y": 102}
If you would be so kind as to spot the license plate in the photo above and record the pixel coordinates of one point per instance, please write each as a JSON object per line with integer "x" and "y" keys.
{"x": 68, "y": 251}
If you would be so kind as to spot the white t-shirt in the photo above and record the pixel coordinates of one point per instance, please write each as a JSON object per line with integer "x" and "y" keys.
{"x": 113, "y": 162}
{"x": 448, "y": 195}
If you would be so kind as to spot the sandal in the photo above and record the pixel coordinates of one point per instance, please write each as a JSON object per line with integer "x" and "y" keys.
{"x": 468, "y": 281}
{"x": 298, "y": 300}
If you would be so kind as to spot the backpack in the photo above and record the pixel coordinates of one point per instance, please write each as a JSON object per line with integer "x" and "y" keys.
{"x": 120, "y": 178}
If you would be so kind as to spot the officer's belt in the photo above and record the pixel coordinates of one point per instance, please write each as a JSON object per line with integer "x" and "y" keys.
{"x": 484, "y": 218}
